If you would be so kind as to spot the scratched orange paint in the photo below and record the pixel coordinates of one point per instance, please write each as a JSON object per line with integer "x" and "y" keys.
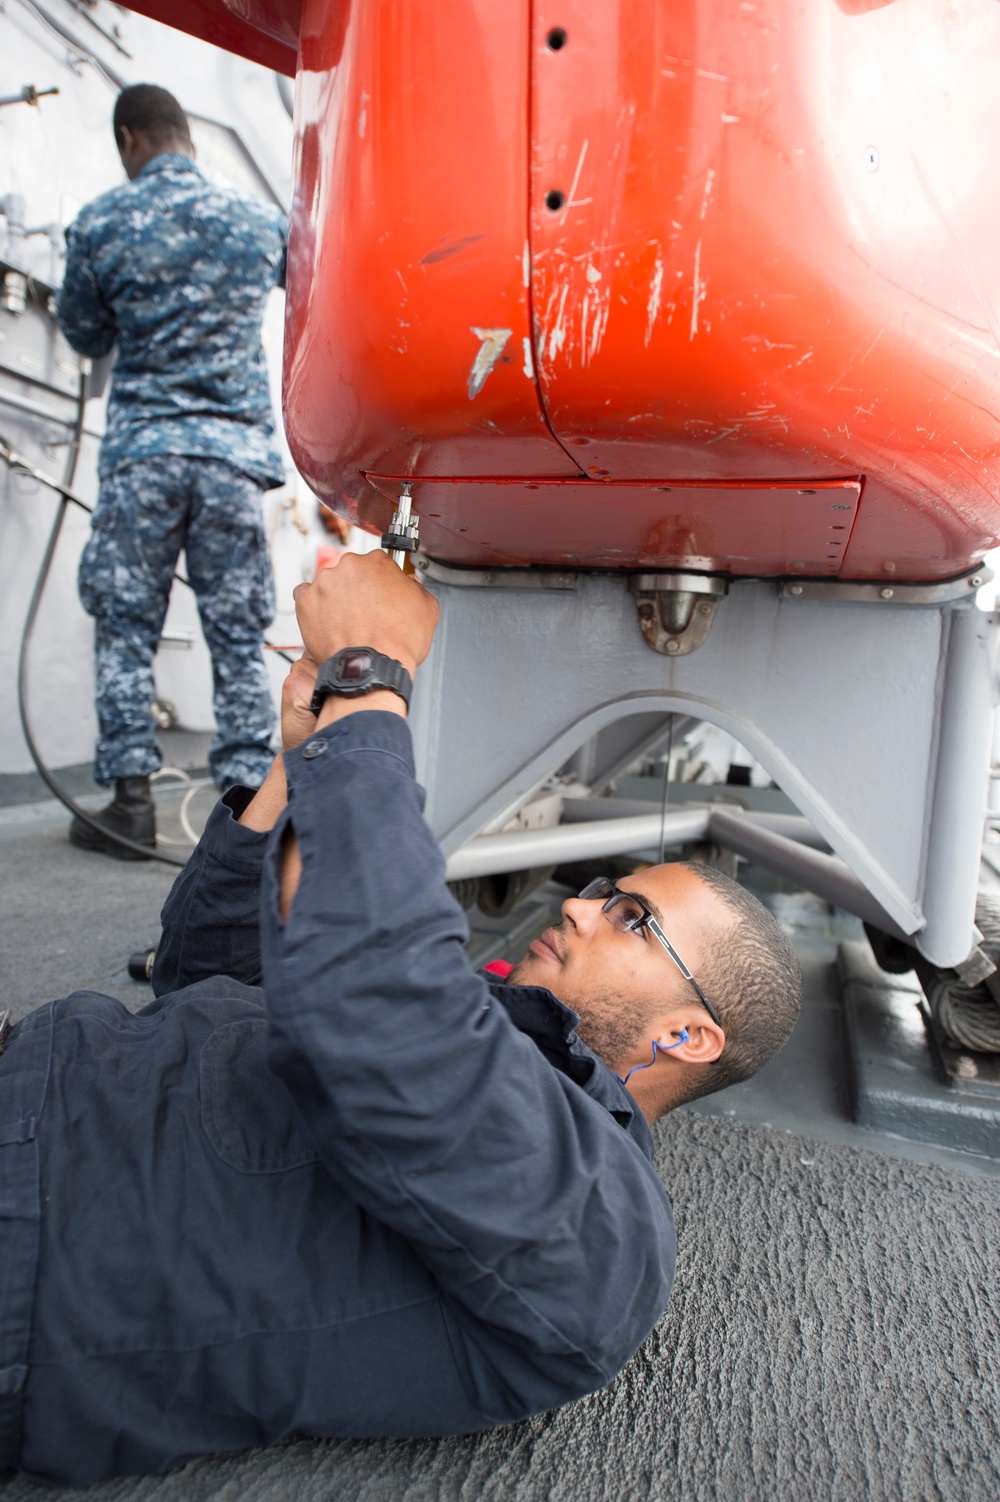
{"x": 742, "y": 243}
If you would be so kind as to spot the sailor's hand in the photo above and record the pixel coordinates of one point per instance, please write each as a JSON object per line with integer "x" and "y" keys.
{"x": 366, "y": 601}
{"x": 297, "y": 719}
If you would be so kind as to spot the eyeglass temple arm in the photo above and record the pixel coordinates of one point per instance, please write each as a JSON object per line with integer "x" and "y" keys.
{"x": 658, "y": 931}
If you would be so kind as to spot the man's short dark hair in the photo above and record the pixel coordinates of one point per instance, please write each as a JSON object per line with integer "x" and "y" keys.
{"x": 753, "y": 978}
{"x": 154, "y": 111}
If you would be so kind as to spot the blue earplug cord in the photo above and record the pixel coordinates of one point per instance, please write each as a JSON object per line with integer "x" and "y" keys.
{"x": 682, "y": 1037}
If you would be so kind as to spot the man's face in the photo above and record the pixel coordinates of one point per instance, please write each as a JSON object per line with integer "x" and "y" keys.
{"x": 619, "y": 982}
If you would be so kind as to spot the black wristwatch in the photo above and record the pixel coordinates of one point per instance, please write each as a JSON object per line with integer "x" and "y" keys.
{"x": 360, "y": 670}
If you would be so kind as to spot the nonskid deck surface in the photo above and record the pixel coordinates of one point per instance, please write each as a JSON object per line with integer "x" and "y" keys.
{"x": 832, "y": 1332}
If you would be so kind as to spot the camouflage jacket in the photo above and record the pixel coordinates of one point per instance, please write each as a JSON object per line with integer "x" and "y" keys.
{"x": 176, "y": 272}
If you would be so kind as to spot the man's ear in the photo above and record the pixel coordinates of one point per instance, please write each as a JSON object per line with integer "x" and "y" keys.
{"x": 704, "y": 1043}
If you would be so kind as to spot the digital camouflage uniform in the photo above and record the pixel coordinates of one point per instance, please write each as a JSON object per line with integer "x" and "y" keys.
{"x": 176, "y": 272}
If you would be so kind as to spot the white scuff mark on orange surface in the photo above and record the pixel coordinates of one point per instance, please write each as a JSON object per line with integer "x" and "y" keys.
{"x": 529, "y": 363}
{"x": 490, "y": 350}
{"x": 714, "y": 77}
{"x": 697, "y": 291}
{"x": 858, "y": 358}
{"x": 729, "y": 119}
{"x": 595, "y": 310}
{"x": 761, "y": 341}
{"x": 575, "y": 315}
{"x": 585, "y": 255}
{"x": 653, "y": 305}
{"x": 363, "y": 116}
{"x": 599, "y": 327}
{"x": 706, "y": 196}
{"x": 557, "y": 337}
{"x": 572, "y": 201}
{"x": 401, "y": 282}
{"x": 526, "y": 265}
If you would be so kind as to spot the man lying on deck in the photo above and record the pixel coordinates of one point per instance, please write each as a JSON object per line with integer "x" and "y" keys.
{"x": 331, "y": 1181}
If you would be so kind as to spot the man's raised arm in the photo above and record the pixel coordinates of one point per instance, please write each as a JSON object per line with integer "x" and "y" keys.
{"x": 541, "y": 1219}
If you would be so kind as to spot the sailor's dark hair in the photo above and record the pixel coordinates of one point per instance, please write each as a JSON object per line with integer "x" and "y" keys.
{"x": 752, "y": 977}
{"x": 154, "y": 111}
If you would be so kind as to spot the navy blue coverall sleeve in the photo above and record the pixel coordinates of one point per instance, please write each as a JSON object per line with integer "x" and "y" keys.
{"x": 211, "y": 919}
{"x": 541, "y": 1219}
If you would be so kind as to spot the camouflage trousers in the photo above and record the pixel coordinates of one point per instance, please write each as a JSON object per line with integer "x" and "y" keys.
{"x": 146, "y": 513}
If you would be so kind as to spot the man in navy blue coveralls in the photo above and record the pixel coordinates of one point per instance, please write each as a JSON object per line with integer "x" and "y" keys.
{"x": 383, "y": 1195}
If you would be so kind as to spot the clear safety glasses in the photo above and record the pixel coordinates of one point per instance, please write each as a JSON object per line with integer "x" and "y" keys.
{"x": 629, "y": 914}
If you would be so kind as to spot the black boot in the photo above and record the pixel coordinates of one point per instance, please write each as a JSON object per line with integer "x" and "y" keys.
{"x": 131, "y": 812}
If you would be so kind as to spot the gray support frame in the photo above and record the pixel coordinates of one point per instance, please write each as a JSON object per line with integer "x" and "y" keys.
{"x": 875, "y": 719}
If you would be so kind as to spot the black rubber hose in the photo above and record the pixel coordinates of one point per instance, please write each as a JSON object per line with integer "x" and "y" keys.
{"x": 65, "y": 498}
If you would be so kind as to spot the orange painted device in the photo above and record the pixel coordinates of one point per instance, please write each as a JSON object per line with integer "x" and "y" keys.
{"x": 646, "y": 284}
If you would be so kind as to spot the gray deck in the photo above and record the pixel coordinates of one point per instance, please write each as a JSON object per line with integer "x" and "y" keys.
{"x": 834, "y": 1332}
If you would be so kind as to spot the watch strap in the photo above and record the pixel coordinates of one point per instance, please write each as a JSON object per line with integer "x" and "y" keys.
{"x": 344, "y": 676}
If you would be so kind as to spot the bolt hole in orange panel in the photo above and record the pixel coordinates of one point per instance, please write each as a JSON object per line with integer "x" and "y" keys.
{"x": 691, "y": 270}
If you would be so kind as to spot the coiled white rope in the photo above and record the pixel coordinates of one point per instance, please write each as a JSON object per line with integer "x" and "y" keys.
{"x": 194, "y": 785}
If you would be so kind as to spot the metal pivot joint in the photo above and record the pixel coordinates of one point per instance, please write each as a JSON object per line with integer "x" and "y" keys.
{"x": 676, "y": 611}
{"x": 403, "y": 535}
{"x": 28, "y": 95}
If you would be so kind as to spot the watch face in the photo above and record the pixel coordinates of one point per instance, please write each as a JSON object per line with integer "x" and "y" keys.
{"x": 354, "y": 667}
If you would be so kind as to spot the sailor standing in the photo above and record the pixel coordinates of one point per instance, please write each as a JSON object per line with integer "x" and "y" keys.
{"x": 176, "y": 272}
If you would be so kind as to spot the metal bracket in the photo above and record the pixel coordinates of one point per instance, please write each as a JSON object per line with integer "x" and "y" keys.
{"x": 976, "y": 967}
{"x": 854, "y": 593}
{"x": 500, "y": 578}
{"x": 676, "y": 611}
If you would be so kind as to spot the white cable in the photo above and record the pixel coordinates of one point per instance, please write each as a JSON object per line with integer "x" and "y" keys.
{"x": 192, "y": 787}
{"x": 170, "y": 772}
{"x": 185, "y": 801}
{"x": 185, "y": 777}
